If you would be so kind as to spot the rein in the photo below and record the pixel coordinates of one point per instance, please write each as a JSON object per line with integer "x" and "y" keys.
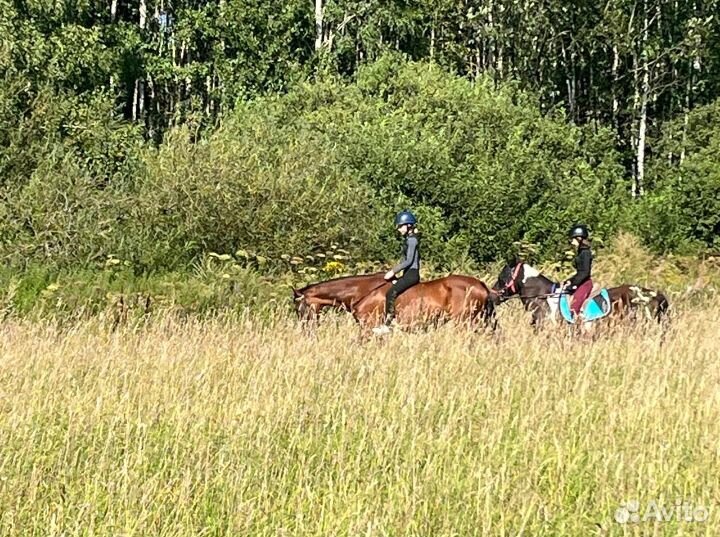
{"x": 545, "y": 295}
{"x": 371, "y": 291}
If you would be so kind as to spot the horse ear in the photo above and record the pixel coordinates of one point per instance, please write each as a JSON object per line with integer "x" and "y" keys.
{"x": 296, "y": 294}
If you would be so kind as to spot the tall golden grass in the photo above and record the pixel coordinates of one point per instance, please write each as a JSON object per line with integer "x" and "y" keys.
{"x": 241, "y": 427}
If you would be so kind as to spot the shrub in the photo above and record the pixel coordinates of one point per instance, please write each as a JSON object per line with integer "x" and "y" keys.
{"x": 682, "y": 213}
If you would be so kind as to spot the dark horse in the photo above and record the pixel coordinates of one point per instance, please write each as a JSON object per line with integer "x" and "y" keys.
{"x": 338, "y": 293}
{"x": 457, "y": 298}
{"x": 539, "y": 296}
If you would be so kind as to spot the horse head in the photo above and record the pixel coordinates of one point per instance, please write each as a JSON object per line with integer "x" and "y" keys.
{"x": 302, "y": 308}
{"x": 509, "y": 279}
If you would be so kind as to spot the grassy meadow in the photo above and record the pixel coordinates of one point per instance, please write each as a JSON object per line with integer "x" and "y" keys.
{"x": 235, "y": 426}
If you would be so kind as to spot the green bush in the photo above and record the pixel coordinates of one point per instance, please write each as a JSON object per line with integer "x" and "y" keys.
{"x": 682, "y": 212}
{"x": 326, "y": 165}
{"x": 257, "y": 188}
{"x": 488, "y": 164}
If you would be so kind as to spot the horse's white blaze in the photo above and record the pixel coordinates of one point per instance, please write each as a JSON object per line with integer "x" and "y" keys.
{"x": 529, "y": 272}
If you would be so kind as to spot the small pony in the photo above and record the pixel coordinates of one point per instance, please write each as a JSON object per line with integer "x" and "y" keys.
{"x": 540, "y": 295}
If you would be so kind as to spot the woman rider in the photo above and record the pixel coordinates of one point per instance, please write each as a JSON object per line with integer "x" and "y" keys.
{"x": 580, "y": 285}
{"x": 405, "y": 223}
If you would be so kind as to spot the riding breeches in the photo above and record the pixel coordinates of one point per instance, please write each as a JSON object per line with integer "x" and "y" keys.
{"x": 409, "y": 278}
{"x": 580, "y": 295}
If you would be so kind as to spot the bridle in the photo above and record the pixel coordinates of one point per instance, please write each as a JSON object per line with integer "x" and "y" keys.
{"x": 511, "y": 284}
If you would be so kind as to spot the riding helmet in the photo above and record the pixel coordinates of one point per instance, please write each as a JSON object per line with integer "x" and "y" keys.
{"x": 579, "y": 231}
{"x": 405, "y": 217}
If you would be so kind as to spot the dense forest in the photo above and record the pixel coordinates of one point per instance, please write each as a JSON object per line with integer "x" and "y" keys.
{"x": 155, "y": 132}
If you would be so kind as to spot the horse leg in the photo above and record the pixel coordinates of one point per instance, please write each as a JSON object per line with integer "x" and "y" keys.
{"x": 660, "y": 307}
{"x": 478, "y": 315}
{"x": 368, "y": 318}
{"x": 308, "y": 316}
{"x": 538, "y": 316}
{"x": 489, "y": 315}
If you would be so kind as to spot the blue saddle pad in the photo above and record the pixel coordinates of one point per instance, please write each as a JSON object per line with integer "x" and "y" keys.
{"x": 595, "y": 307}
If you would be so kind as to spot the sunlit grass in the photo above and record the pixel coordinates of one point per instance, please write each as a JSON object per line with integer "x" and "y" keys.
{"x": 236, "y": 427}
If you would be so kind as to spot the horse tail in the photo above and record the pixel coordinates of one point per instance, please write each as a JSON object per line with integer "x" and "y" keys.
{"x": 483, "y": 308}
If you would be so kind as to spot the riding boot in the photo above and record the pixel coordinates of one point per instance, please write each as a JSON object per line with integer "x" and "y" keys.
{"x": 408, "y": 279}
{"x": 390, "y": 306}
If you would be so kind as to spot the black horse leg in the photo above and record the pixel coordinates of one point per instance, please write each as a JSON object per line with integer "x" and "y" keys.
{"x": 538, "y": 315}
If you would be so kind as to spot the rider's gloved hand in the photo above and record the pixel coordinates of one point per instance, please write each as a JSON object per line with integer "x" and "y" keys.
{"x": 389, "y": 275}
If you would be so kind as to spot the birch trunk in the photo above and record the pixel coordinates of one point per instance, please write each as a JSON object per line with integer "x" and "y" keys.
{"x": 639, "y": 182}
{"x": 432, "y": 41}
{"x": 615, "y": 103}
{"x": 139, "y": 90}
{"x": 318, "y": 25}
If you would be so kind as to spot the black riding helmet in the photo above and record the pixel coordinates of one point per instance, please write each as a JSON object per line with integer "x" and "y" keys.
{"x": 579, "y": 231}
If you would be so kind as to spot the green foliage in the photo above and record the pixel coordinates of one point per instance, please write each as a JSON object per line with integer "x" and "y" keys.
{"x": 518, "y": 120}
{"x": 265, "y": 188}
{"x": 324, "y": 166}
{"x": 114, "y": 291}
{"x": 682, "y": 213}
{"x": 67, "y": 171}
{"x": 484, "y": 164}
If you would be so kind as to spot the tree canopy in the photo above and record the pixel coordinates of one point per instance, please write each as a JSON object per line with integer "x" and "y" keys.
{"x": 160, "y": 130}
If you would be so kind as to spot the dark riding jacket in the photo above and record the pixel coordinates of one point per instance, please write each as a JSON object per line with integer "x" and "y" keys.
{"x": 411, "y": 255}
{"x": 583, "y": 266}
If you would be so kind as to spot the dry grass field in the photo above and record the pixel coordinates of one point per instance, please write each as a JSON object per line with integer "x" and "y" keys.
{"x": 240, "y": 427}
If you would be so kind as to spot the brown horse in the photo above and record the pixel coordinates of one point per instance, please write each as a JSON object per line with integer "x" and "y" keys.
{"x": 457, "y": 298}
{"x": 338, "y": 293}
{"x": 539, "y": 296}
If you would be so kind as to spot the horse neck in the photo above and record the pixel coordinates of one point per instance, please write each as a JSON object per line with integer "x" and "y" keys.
{"x": 341, "y": 288}
{"x": 534, "y": 283}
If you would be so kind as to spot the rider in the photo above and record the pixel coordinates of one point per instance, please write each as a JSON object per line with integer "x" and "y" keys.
{"x": 580, "y": 285}
{"x": 405, "y": 223}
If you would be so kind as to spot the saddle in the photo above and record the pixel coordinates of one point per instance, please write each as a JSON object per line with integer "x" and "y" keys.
{"x": 596, "y": 307}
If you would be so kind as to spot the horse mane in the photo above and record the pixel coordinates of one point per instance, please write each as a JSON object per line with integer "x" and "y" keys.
{"x": 333, "y": 280}
{"x": 540, "y": 274}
